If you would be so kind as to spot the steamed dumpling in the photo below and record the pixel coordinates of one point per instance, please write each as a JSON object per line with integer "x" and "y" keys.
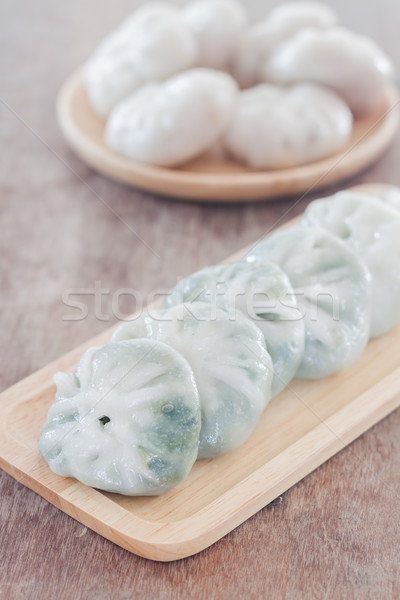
{"x": 288, "y": 18}
{"x": 372, "y": 230}
{"x": 127, "y": 421}
{"x": 170, "y": 123}
{"x": 232, "y": 368}
{"x": 217, "y": 26}
{"x": 274, "y": 127}
{"x": 151, "y": 45}
{"x": 262, "y": 293}
{"x": 333, "y": 290}
{"x": 282, "y": 23}
{"x": 352, "y": 65}
{"x": 390, "y": 197}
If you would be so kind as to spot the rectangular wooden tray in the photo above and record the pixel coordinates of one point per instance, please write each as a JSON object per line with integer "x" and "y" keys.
{"x": 304, "y": 426}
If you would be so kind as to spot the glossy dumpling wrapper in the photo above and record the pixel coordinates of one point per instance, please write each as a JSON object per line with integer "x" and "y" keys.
{"x": 372, "y": 230}
{"x": 333, "y": 290}
{"x": 170, "y": 123}
{"x": 282, "y": 23}
{"x": 352, "y": 65}
{"x": 217, "y": 26}
{"x": 151, "y": 45}
{"x": 274, "y": 127}
{"x": 127, "y": 421}
{"x": 390, "y": 197}
{"x": 231, "y": 366}
{"x": 262, "y": 292}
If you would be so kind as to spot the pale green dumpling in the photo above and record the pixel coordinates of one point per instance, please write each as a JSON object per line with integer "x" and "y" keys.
{"x": 127, "y": 421}
{"x": 333, "y": 290}
{"x": 391, "y": 197}
{"x": 261, "y": 292}
{"x": 372, "y": 230}
{"x": 231, "y": 366}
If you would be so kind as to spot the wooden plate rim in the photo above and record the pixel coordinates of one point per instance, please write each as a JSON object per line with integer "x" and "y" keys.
{"x": 229, "y": 187}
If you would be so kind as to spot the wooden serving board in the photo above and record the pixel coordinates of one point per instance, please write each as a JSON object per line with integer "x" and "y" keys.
{"x": 300, "y": 429}
{"x": 210, "y": 178}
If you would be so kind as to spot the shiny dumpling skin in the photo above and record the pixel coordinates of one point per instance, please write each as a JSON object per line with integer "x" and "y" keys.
{"x": 282, "y": 23}
{"x": 127, "y": 421}
{"x": 333, "y": 290}
{"x": 217, "y": 26}
{"x": 390, "y": 197}
{"x": 275, "y": 127}
{"x": 350, "y": 64}
{"x": 170, "y": 123}
{"x": 372, "y": 230}
{"x": 231, "y": 366}
{"x": 262, "y": 292}
{"x": 151, "y": 45}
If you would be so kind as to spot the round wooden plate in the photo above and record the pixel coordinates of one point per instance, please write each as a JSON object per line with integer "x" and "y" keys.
{"x": 211, "y": 178}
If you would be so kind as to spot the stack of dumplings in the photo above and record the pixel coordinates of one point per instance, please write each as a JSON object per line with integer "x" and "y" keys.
{"x": 190, "y": 380}
{"x": 173, "y": 83}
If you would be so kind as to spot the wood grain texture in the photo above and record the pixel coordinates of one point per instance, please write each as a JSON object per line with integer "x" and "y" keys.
{"x": 210, "y": 178}
{"x": 336, "y": 534}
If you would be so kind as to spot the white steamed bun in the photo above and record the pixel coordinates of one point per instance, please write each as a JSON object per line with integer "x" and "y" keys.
{"x": 151, "y": 45}
{"x": 275, "y": 127}
{"x": 352, "y": 65}
{"x": 170, "y": 123}
{"x": 282, "y": 23}
{"x": 217, "y": 26}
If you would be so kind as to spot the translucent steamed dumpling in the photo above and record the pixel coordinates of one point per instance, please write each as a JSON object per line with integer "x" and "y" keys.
{"x": 231, "y": 366}
{"x": 275, "y": 127}
{"x": 151, "y": 45}
{"x": 127, "y": 421}
{"x": 262, "y": 293}
{"x": 352, "y": 65}
{"x": 282, "y": 23}
{"x": 372, "y": 230}
{"x": 333, "y": 290}
{"x": 170, "y": 123}
{"x": 217, "y": 26}
{"x": 390, "y": 197}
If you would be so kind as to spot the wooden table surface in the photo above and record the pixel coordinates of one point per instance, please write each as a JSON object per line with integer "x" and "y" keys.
{"x": 64, "y": 228}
